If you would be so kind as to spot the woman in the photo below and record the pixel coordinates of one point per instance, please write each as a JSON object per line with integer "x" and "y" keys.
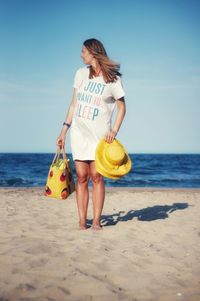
{"x": 97, "y": 89}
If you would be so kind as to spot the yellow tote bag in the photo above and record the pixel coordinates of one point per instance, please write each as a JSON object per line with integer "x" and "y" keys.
{"x": 60, "y": 181}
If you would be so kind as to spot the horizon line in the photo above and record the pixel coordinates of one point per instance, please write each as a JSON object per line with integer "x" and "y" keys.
{"x": 136, "y": 153}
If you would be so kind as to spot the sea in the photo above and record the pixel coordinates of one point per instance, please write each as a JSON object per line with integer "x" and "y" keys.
{"x": 148, "y": 170}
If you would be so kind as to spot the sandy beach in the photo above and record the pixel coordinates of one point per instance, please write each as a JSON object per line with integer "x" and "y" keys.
{"x": 149, "y": 248}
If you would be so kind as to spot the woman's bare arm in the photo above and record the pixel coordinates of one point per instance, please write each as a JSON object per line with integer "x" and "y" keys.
{"x": 68, "y": 119}
{"x": 70, "y": 111}
{"x": 120, "y": 115}
{"x": 121, "y": 107}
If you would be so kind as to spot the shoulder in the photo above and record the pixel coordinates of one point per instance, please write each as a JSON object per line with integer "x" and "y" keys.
{"x": 117, "y": 89}
{"x": 119, "y": 78}
{"x": 83, "y": 71}
{"x": 117, "y": 81}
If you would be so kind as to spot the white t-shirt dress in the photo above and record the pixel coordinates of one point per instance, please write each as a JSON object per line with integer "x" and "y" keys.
{"x": 96, "y": 101}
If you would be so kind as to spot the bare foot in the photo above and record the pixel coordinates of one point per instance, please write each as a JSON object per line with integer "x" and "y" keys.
{"x": 82, "y": 226}
{"x": 97, "y": 227}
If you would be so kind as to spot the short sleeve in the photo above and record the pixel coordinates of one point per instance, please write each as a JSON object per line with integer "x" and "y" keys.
{"x": 117, "y": 90}
{"x": 77, "y": 79}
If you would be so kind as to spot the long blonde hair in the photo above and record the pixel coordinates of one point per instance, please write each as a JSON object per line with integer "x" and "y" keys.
{"x": 109, "y": 68}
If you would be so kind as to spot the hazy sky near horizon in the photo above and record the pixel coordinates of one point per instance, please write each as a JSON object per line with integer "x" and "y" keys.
{"x": 156, "y": 42}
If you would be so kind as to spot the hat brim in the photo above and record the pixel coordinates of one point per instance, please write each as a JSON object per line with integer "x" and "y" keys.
{"x": 109, "y": 170}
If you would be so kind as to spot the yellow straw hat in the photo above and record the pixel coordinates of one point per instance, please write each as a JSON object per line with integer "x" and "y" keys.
{"x": 111, "y": 159}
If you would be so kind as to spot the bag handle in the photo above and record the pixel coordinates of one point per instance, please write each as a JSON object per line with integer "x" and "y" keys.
{"x": 57, "y": 155}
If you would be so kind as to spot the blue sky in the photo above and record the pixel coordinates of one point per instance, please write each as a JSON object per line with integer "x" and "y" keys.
{"x": 156, "y": 42}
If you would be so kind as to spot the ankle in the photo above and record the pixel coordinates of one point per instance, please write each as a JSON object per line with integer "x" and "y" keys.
{"x": 96, "y": 221}
{"x": 82, "y": 225}
{"x": 82, "y": 222}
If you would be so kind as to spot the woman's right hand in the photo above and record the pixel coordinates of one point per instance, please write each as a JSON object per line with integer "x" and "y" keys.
{"x": 61, "y": 140}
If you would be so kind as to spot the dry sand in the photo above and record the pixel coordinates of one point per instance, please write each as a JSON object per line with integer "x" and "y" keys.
{"x": 149, "y": 248}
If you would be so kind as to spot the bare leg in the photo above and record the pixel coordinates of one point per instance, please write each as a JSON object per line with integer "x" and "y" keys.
{"x": 98, "y": 195}
{"x": 82, "y": 194}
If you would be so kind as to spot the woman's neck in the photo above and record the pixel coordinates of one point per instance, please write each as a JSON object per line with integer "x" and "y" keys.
{"x": 96, "y": 68}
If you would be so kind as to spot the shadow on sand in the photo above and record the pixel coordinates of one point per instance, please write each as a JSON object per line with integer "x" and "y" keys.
{"x": 146, "y": 214}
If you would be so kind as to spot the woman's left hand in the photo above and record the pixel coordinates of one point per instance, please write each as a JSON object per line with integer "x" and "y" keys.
{"x": 110, "y": 136}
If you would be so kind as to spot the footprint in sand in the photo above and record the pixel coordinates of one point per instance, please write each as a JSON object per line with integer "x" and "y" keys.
{"x": 38, "y": 262}
{"x": 26, "y": 287}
